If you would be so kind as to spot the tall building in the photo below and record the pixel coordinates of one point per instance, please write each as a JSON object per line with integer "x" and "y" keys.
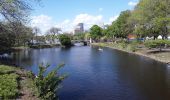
{"x": 79, "y": 28}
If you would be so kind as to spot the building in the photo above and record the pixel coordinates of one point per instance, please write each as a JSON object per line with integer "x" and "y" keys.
{"x": 79, "y": 28}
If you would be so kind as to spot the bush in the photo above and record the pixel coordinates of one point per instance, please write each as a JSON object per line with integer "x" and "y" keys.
{"x": 65, "y": 40}
{"x": 157, "y": 43}
{"x": 48, "y": 85}
{"x": 131, "y": 47}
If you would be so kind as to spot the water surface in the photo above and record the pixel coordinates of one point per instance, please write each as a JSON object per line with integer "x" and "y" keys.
{"x": 106, "y": 75}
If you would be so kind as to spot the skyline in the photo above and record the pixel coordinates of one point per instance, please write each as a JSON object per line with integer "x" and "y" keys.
{"x": 69, "y": 14}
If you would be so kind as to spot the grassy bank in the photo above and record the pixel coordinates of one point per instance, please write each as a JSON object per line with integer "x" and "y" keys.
{"x": 16, "y": 84}
{"x": 139, "y": 49}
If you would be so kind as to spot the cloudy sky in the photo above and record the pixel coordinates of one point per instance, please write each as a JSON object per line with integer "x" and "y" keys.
{"x": 65, "y": 14}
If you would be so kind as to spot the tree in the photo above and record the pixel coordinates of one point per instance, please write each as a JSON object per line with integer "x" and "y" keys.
{"x": 52, "y": 32}
{"x": 15, "y": 13}
{"x": 36, "y": 31}
{"x": 121, "y": 26}
{"x": 96, "y": 32}
{"x": 7, "y": 39}
{"x": 65, "y": 40}
{"x": 22, "y": 33}
{"x": 15, "y": 10}
{"x": 79, "y": 36}
{"x": 152, "y": 14}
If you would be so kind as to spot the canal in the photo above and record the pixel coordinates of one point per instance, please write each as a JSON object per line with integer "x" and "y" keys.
{"x": 101, "y": 75}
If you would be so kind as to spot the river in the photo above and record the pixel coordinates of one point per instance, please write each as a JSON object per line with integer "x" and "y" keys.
{"x": 101, "y": 75}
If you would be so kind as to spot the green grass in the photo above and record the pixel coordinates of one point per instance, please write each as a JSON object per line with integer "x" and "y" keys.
{"x": 132, "y": 47}
{"x": 6, "y": 69}
{"x": 8, "y": 82}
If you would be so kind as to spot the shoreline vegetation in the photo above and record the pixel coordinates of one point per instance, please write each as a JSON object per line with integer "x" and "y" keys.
{"x": 16, "y": 83}
{"x": 154, "y": 54}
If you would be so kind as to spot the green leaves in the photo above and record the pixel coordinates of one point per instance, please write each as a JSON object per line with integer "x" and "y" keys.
{"x": 157, "y": 43}
{"x": 65, "y": 40}
{"x": 96, "y": 32}
{"x": 49, "y": 84}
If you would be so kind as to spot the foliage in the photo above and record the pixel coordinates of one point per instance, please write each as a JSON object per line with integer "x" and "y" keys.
{"x": 7, "y": 38}
{"x": 157, "y": 43}
{"x": 22, "y": 33}
{"x": 79, "y": 36}
{"x": 49, "y": 84}
{"x": 15, "y": 10}
{"x": 149, "y": 18}
{"x": 15, "y": 15}
{"x": 52, "y": 34}
{"x": 87, "y": 36}
{"x": 95, "y": 32}
{"x": 65, "y": 40}
{"x": 8, "y": 83}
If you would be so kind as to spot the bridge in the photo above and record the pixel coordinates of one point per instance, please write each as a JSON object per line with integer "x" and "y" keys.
{"x": 85, "y": 42}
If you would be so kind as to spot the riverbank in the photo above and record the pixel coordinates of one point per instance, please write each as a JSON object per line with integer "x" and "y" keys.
{"x": 140, "y": 50}
{"x": 16, "y": 83}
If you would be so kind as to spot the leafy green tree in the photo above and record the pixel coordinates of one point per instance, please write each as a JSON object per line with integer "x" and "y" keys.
{"x": 7, "y": 39}
{"x": 96, "y": 32}
{"x": 15, "y": 13}
{"x": 87, "y": 36}
{"x": 22, "y": 32}
{"x": 153, "y": 15}
{"x": 79, "y": 36}
{"x": 122, "y": 26}
{"x": 65, "y": 40}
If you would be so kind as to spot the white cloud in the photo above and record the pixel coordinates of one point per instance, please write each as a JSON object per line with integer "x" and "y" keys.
{"x": 66, "y": 25}
{"x": 43, "y": 22}
{"x": 88, "y": 20}
{"x": 132, "y": 3}
{"x": 113, "y": 18}
{"x": 100, "y": 9}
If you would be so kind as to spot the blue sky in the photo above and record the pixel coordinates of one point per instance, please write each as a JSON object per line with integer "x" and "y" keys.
{"x": 65, "y": 14}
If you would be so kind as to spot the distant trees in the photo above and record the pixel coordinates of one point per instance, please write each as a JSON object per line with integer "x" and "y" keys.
{"x": 65, "y": 40}
{"x": 150, "y": 18}
{"x": 52, "y": 34}
{"x": 79, "y": 36}
{"x": 96, "y": 32}
{"x": 121, "y": 27}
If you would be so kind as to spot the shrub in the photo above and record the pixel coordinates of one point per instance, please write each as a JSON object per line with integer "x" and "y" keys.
{"x": 131, "y": 47}
{"x": 48, "y": 85}
{"x": 157, "y": 43}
